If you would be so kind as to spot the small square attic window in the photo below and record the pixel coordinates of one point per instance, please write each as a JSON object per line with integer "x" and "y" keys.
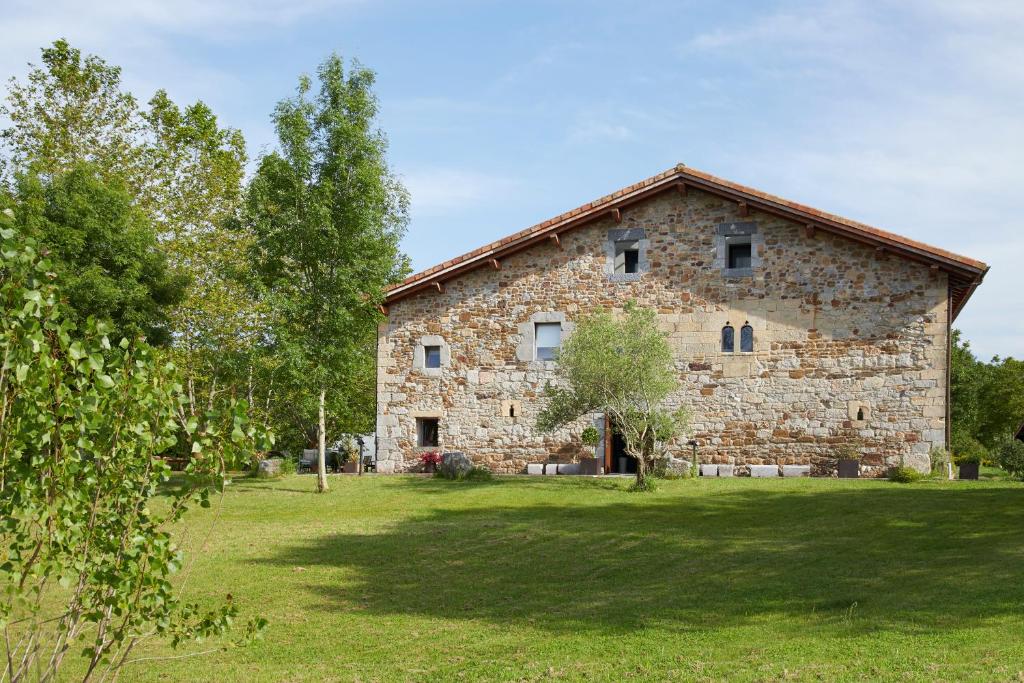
{"x": 431, "y": 356}
{"x": 739, "y": 255}
{"x": 627, "y": 257}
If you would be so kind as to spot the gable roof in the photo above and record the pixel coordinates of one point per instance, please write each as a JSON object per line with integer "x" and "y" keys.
{"x": 965, "y": 274}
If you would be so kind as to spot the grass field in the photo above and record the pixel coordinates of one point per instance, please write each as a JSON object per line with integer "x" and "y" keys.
{"x": 406, "y": 578}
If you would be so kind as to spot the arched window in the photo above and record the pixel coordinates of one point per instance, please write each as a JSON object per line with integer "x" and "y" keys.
{"x": 747, "y": 339}
{"x": 728, "y": 339}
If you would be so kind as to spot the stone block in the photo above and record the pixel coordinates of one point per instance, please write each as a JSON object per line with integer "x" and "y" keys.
{"x": 269, "y": 468}
{"x": 796, "y": 470}
{"x": 726, "y": 470}
{"x": 569, "y": 468}
{"x": 709, "y": 470}
{"x": 535, "y": 468}
{"x": 764, "y": 471}
{"x": 551, "y": 468}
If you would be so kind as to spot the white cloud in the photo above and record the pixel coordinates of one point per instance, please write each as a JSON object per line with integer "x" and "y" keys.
{"x": 911, "y": 122}
{"x": 441, "y": 190}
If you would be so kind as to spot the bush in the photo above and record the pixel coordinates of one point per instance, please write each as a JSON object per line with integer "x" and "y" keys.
{"x": 476, "y": 473}
{"x": 1011, "y": 458}
{"x": 288, "y": 465}
{"x": 967, "y": 449}
{"x": 590, "y": 436}
{"x": 904, "y": 475}
{"x": 939, "y": 457}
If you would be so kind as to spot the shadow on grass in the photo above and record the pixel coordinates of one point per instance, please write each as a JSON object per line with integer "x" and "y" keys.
{"x": 916, "y": 559}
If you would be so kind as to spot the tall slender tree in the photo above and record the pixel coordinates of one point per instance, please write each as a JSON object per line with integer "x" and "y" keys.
{"x": 326, "y": 215}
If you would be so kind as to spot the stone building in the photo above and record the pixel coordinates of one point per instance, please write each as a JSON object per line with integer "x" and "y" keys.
{"x": 795, "y": 331}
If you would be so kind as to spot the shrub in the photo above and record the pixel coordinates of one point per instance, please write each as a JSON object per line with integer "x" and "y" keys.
{"x": 590, "y": 436}
{"x": 288, "y": 465}
{"x": 967, "y": 449}
{"x": 1011, "y": 458}
{"x": 904, "y": 475}
{"x": 848, "y": 451}
{"x": 476, "y": 473}
{"x": 939, "y": 457}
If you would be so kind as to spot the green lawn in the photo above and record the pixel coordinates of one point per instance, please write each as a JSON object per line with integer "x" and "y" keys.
{"x": 406, "y": 578}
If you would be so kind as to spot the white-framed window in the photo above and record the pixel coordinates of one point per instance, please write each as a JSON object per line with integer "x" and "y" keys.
{"x": 548, "y": 339}
{"x": 627, "y": 257}
{"x": 432, "y": 356}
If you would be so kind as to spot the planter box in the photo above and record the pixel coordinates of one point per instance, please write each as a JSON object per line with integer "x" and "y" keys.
{"x": 589, "y": 466}
{"x": 726, "y": 470}
{"x": 350, "y": 468}
{"x": 969, "y": 470}
{"x": 535, "y": 468}
{"x": 849, "y": 469}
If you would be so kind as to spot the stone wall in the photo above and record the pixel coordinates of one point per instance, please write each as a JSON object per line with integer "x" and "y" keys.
{"x": 839, "y": 330}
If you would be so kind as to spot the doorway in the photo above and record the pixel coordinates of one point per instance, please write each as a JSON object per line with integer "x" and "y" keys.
{"x": 616, "y": 460}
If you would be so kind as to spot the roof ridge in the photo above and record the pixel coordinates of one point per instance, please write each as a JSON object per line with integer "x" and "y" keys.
{"x": 701, "y": 180}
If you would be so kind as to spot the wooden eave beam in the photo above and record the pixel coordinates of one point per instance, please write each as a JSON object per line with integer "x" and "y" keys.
{"x": 809, "y": 230}
{"x": 495, "y": 263}
{"x": 744, "y": 209}
{"x": 617, "y": 215}
{"x": 438, "y": 286}
{"x": 682, "y": 186}
{"x": 555, "y": 239}
{"x": 383, "y": 309}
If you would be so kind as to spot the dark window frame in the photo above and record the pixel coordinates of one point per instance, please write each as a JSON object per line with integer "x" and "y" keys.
{"x": 432, "y": 351}
{"x": 428, "y": 429}
{"x": 746, "y": 339}
{"x": 728, "y": 339}
{"x": 736, "y": 259}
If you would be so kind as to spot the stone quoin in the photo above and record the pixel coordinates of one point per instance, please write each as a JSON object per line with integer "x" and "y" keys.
{"x": 794, "y": 331}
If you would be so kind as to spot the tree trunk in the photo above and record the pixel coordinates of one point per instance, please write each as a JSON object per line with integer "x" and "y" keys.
{"x": 641, "y": 472}
{"x": 321, "y": 455}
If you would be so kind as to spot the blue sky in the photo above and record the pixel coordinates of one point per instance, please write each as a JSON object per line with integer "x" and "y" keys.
{"x": 906, "y": 115}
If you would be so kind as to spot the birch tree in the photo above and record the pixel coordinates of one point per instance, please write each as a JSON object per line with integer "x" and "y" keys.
{"x": 326, "y": 215}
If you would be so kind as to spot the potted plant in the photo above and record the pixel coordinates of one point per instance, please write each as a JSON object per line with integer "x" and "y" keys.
{"x": 849, "y": 461}
{"x": 430, "y": 461}
{"x": 970, "y": 464}
{"x": 588, "y": 463}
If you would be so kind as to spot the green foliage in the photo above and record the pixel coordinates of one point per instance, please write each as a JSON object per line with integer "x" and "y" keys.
{"x": 590, "y": 436}
{"x": 969, "y": 458}
{"x": 849, "y": 451}
{"x": 938, "y": 458}
{"x": 476, "y": 473}
{"x": 622, "y": 367}
{"x": 85, "y": 560}
{"x": 326, "y": 216}
{"x": 1011, "y": 457}
{"x": 904, "y": 475}
{"x": 102, "y": 247}
{"x": 987, "y": 398}
{"x": 966, "y": 448}
{"x": 645, "y": 485}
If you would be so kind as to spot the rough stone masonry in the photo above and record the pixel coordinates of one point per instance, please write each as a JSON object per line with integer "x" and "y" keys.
{"x": 849, "y": 341}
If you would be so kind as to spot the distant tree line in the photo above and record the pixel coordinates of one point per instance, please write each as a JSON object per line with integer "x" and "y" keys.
{"x": 264, "y": 290}
{"x": 987, "y": 403}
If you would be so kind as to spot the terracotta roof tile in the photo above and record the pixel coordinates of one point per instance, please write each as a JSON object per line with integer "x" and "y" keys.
{"x": 709, "y": 183}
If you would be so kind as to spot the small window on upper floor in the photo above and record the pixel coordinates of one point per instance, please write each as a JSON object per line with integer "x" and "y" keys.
{"x": 747, "y": 339}
{"x": 627, "y": 257}
{"x": 431, "y": 356}
{"x": 548, "y": 338}
{"x": 728, "y": 339}
{"x": 739, "y": 255}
